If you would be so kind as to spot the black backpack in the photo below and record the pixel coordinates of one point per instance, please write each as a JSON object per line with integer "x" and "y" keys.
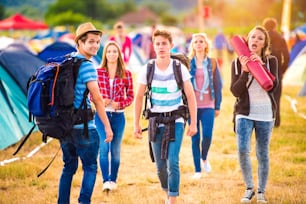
{"x": 177, "y": 60}
{"x": 182, "y": 58}
{"x": 50, "y": 99}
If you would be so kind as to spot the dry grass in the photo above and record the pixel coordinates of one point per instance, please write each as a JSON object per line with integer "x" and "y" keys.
{"x": 138, "y": 183}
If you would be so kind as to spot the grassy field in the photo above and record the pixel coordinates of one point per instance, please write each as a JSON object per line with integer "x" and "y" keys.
{"x": 138, "y": 183}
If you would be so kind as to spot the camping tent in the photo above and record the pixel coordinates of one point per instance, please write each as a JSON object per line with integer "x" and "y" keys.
{"x": 5, "y": 41}
{"x": 297, "y": 49}
{"x": 56, "y": 49}
{"x": 13, "y": 81}
{"x": 19, "y": 22}
{"x": 301, "y": 29}
{"x": 296, "y": 74}
{"x": 20, "y": 62}
{"x": 59, "y": 48}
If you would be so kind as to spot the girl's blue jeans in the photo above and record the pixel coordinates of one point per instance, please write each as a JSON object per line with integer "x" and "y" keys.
{"x": 263, "y": 131}
{"x": 206, "y": 118}
{"x": 110, "y": 152}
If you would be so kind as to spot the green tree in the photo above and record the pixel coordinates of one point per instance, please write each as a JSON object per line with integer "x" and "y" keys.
{"x": 158, "y": 7}
{"x": 94, "y": 10}
{"x": 298, "y": 13}
{"x": 169, "y": 20}
{"x": 2, "y": 11}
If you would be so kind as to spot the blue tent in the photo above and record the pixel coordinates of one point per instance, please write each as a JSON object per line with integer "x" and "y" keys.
{"x": 50, "y": 34}
{"x": 17, "y": 64}
{"x": 20, "y": 63}
{"x": 297, "y": 49}
{"x": 301, "y": 28}
{"x": 56, "y": 49}
{"x": 59, "y": 48}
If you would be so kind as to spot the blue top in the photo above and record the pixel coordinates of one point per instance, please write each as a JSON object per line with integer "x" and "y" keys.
{"x": 215, "y": 81}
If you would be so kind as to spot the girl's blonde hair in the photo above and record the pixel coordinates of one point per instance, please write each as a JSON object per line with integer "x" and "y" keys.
{"x": 120, "y": 63}
{"x": 192, "y": 53}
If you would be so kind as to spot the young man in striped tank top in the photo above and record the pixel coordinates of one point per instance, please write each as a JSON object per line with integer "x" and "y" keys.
{"x": 166, "y": 99}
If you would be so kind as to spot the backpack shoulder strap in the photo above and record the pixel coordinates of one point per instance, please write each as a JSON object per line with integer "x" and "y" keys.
{"x": 76, "y": 66}
{"x": 24, "y": 140}
{"x": 179, "y": 79}
{"x": 150, "y": 73}
{"x": 213, "y": 64}
{"x": 178, "y": 74}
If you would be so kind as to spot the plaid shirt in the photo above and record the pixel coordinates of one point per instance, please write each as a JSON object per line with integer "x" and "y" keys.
{"x": 122, "y": 88}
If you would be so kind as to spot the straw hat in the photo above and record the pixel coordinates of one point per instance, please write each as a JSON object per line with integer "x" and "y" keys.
{"x": 85, "y": 28}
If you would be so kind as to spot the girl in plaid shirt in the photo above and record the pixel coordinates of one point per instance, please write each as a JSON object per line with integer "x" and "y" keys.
{"x": 116, "y": 88}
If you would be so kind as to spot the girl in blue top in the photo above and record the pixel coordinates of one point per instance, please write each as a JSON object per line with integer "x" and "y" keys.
{"x": 207, "y": 84}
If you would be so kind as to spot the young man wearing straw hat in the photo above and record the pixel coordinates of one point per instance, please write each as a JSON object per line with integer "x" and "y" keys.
{"x": 77, "y": 145}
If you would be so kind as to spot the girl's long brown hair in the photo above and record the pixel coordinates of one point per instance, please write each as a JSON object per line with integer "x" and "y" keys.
{"x": 266, "y": 49}
{"x": 120, "y": 63}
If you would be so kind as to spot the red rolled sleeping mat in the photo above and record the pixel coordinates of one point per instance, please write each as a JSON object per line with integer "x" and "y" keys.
{"x": 260, "y": 73}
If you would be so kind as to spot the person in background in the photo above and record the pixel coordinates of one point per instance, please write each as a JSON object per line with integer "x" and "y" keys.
{"x": 77, "y": 145}
{"x": 280, "y": 50}
{"x": 148, "y": 44}
{"x": 254, "y": 110}
{"x": 207, "y": 83}
{"x": 230, "y": 49}
{"x": 220, "y": 44}
{"x": 166, "y": 106}
{"x": 124, "y": 41}
{"x": 151, "y": 52}
{"x": 116, "y": 88}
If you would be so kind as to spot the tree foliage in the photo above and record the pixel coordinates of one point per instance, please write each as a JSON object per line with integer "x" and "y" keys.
{"x": 159, "y": 7}
{"x": 94, "y": 10}
{"x": 2, "y": 10}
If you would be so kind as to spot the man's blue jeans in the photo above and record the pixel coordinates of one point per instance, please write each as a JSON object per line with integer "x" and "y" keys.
{"x": 206, "y": 118}
{"x": 168, "y": 169}
{"x": 263, "y": 131}
{"x": 110, "y": 165}
{"x": 87, "y": 149}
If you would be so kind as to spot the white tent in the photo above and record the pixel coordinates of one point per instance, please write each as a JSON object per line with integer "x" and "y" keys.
{"x": 296, "y": 73}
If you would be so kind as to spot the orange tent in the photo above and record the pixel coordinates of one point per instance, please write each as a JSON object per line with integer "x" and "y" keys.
{"x": 19, "y": 22}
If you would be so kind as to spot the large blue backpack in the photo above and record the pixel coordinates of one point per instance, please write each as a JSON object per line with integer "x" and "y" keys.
{"x": 50, "y": 99}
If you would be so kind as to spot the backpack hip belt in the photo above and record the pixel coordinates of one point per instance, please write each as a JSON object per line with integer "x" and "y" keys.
{"x": 82, "y": 115}
{"x": 175, "y": 114}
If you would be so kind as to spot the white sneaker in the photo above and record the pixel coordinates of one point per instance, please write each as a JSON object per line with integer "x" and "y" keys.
{"x": 247, "y": 197}
{"x": 113, "y": 185}
{"x": 106, "y": 186}
{"x": 261, "y": 198}
{"x": 206, "y": 166}
{"x": 197, "y": 175}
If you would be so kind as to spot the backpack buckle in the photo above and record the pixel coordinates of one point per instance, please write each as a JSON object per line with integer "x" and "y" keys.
{"x": 167, "y": 114}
